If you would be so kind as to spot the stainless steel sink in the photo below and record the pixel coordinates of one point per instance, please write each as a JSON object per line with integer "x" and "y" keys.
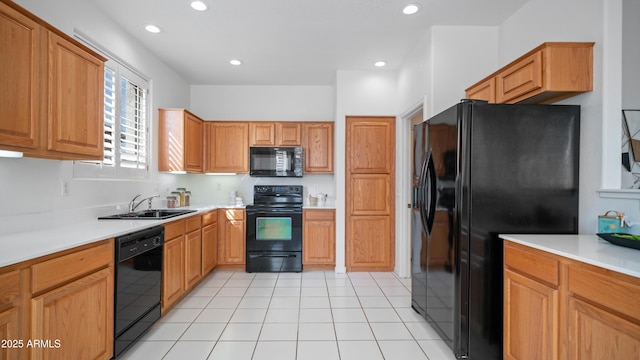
{"x": 157, "y": 214}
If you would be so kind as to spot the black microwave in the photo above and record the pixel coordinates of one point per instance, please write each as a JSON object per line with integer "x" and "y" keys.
{"x": 276, "y": 161}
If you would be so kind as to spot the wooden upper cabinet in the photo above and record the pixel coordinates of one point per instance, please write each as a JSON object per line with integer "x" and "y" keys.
{"x": 317, "y": 141}
{"x": 52, "y": 89}
{"x": 20, "y": 74}
{"x": 76, "y": 95}
{"x": 485, "y": 90}
{"x": 262, "y": 133}
{"x": 227, "y": 147}
{"x": 288, "y": 134}
{"x": 551, "y": 72}
{"x": 180, "y": 141}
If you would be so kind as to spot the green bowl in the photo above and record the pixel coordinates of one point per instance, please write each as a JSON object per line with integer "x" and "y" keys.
{"x": 622, "y": 239}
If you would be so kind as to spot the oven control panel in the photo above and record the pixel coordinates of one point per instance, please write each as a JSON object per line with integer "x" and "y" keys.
{"x": 277, "y": 189}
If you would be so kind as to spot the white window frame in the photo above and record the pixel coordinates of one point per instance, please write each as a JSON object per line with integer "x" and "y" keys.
{"x": 115, "y": 169}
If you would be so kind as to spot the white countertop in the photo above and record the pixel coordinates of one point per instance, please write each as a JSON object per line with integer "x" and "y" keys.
{"x": 25, "y": 245}
{"x": 589, "y": 249}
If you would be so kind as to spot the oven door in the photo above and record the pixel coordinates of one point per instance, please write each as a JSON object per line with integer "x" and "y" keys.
{"x": 274, "y": 229}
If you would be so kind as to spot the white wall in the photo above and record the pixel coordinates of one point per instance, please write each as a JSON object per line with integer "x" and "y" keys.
{"x": 256, "y": 103}
{"x": 435, "y": 59}
{"x": 631, "y": 55}
{"x": 32, "y": 188}
{"x": 282, "y": 103}
{"x": 590, "y": 20}
{"x": 461, "y": 56}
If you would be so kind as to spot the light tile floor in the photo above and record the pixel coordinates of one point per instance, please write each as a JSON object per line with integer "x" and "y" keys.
{"x": 285, "y": 316}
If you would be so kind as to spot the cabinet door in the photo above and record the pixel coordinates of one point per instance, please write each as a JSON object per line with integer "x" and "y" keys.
{"x": 193, "y": 258}
{"x": 369, "y": 247}
{"x": 372, "y": 145}
{"x": 79, "y": 315}
{"x": 20, "y": 88}
{"x": 319, "y": 237}
{"x": 235, "y": 241}
{"x": 193, "y": 143}
{"x": 317, "y": 140}
{"x": 262, "y": 134}
{"x": 288, "y": 134}
{"x": 530, "y": 318}
{"x": 485, "y": 90}
{"x": 10, "y": 328}
{"x": 209, "y": 248}
{"x": 9, "y": 325}
{"x": 596, "y": 333}
{"x": 172, "y": 272}
{"x": 231, "y": 237}
{"x": 227, "y": 147}
{"x": 519, "y": 78}
{"x": 76, "y": 82}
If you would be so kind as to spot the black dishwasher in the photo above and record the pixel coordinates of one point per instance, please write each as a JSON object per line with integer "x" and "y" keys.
{"x": 138, "y": 281}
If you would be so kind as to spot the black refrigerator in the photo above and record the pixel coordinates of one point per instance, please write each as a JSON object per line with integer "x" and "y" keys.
{"x": 480, "y": 170}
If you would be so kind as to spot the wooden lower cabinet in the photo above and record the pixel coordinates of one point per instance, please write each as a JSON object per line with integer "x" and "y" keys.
{"x": 11, "y": 326}
{"x": 173, "y": 272}
{"x": 209, "y": 241}
{"x": 598, "y": 333}
{"x": 193, "y": 258}
{"x": 231, "y": 237}
{"x": 319, "y": 238}
{"x": 193, "y": 252}
{"x": 10, "y": 330}
{"x": 531, "y": 315}
{"x": 560, "y": 308}
{"x": 76, "y": 319}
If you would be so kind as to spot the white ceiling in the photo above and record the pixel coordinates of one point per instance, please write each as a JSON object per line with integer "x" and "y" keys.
{"x": 290, "y": 42}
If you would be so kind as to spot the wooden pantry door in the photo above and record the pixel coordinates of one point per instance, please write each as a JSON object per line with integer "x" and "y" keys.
{"x": 370, "y": 193}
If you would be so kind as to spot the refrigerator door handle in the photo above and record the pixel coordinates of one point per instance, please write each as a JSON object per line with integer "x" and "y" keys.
{"x": 431, "y": 175}
{"x": 427, "y": 187}
{"x": 421, "y": 196}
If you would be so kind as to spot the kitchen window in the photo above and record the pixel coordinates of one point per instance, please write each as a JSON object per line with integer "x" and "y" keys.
{"x": 126, "y": 125}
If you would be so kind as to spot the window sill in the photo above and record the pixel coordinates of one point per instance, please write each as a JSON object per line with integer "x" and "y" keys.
{"x": 627, "y": 194}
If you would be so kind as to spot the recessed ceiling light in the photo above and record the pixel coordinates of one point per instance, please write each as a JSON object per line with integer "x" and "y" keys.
{"x": 198, "y": 5}
{"x": 235, "y": 62}
{"x": 152, "y": 29}
{"x": 411, "y": 9}
{"x": 380, "y": 63}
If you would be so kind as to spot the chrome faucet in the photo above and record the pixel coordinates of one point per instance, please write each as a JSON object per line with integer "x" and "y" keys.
{"x": 133, "y": 205}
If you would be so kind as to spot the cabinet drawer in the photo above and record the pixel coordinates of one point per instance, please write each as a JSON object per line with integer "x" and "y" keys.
{"x": 536, "y": 265}
{"x": 210, "y": 218}
{"x": 319, "y": 215}
{"x": 58, "y": 270}
{"x": 9, "y": 287}
{"x": 233, "y": 214}
{"x": 601, "y": 287}
{"x": 174, "y": 229}
{"x": 193, "y": 223}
